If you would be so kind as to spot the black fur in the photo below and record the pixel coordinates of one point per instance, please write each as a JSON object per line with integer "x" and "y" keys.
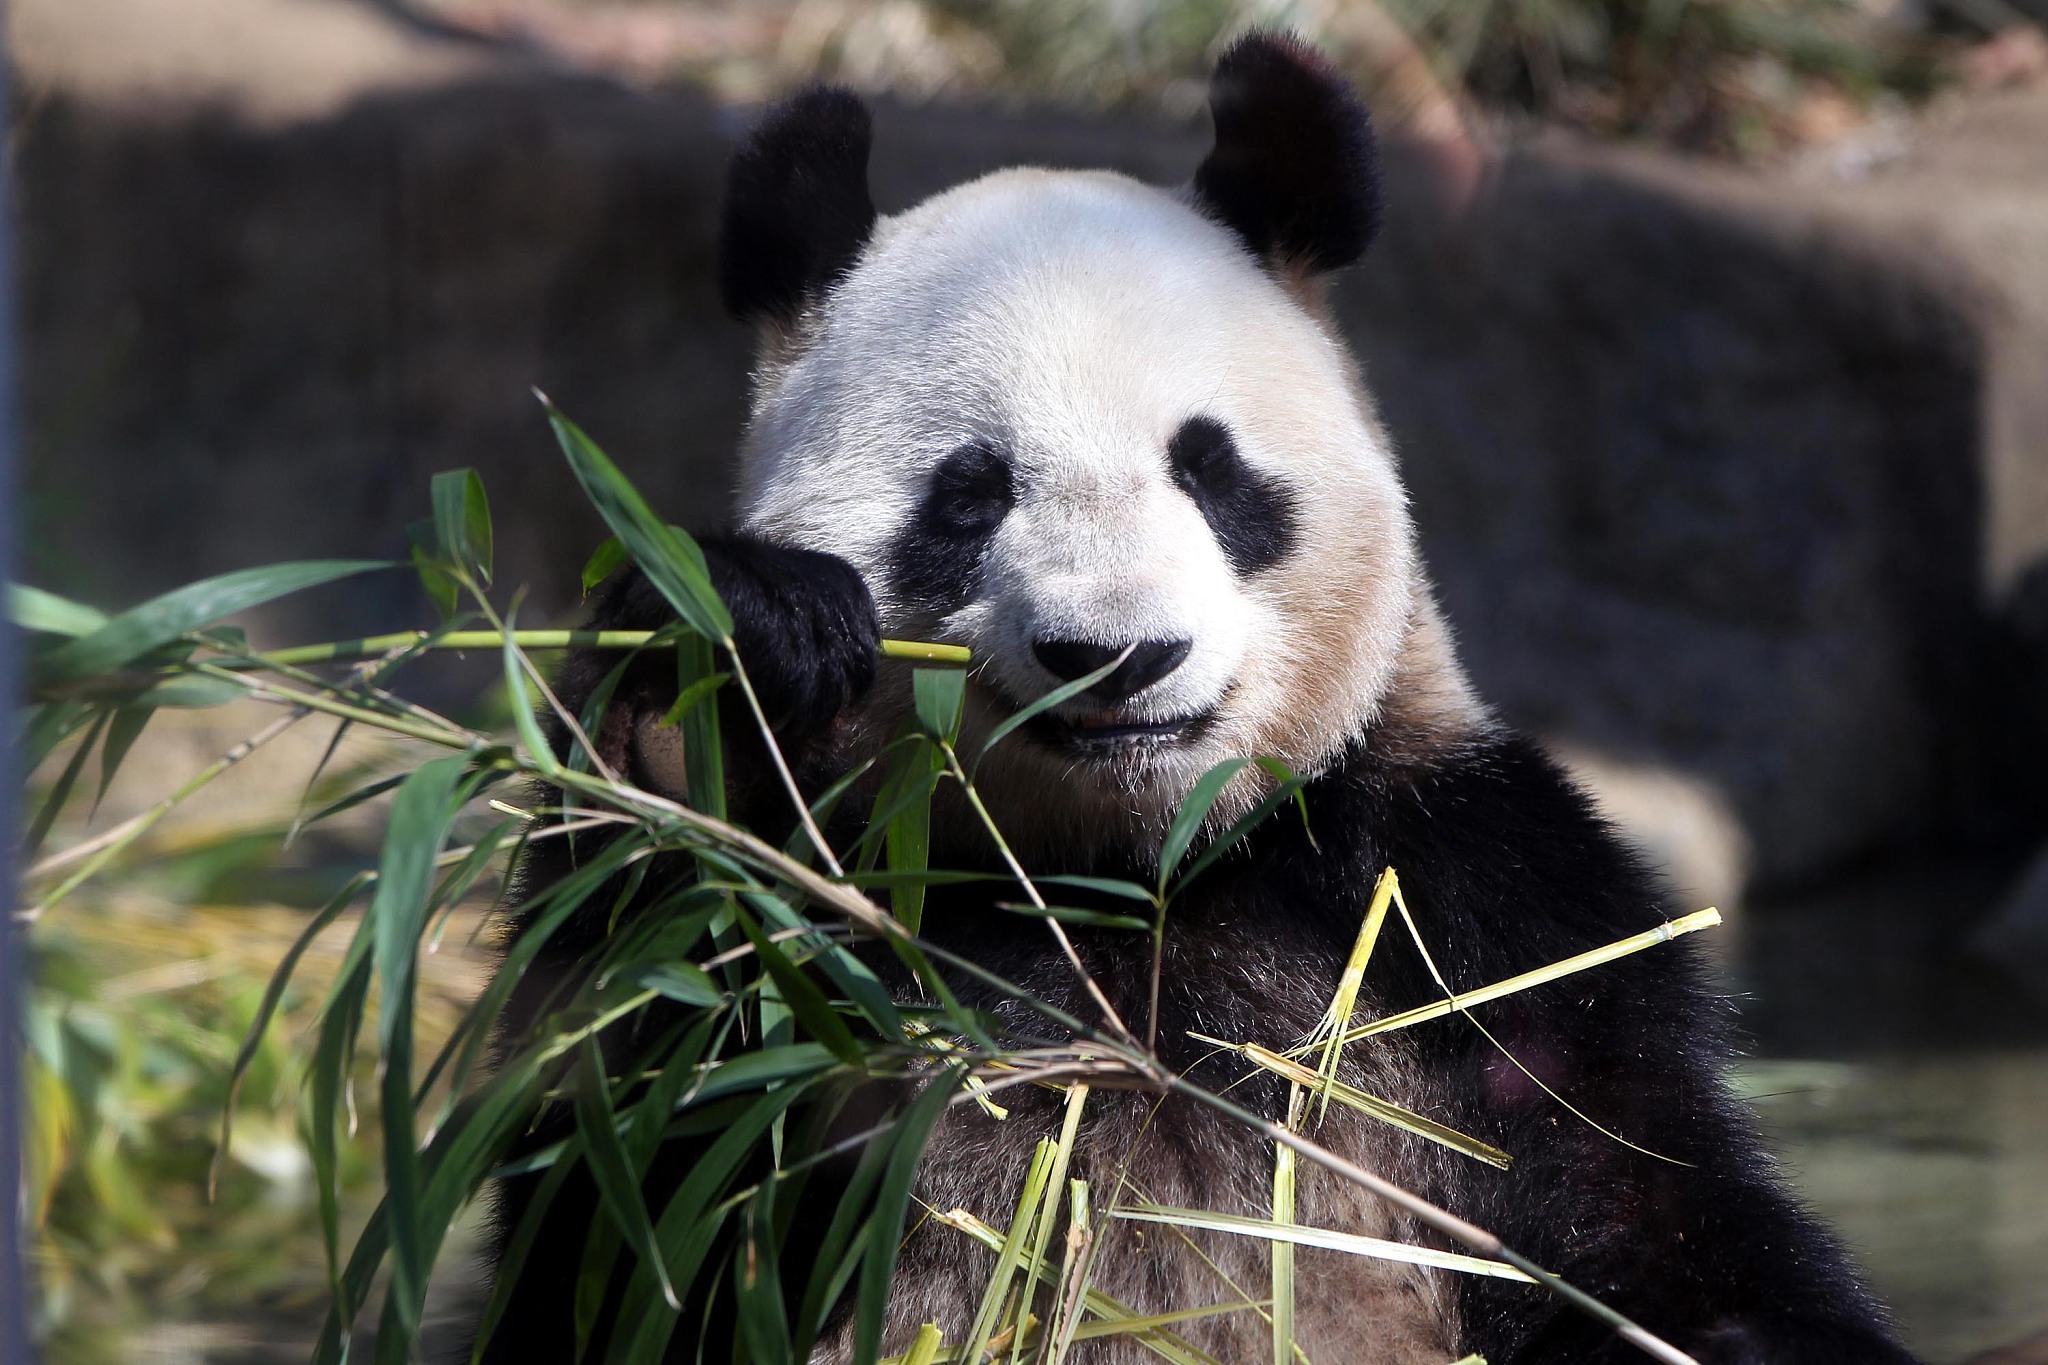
{"x": 797, "y": 210}
{"x": 1251, "y": 514}
{"x": 1295, "y": 171}
{"x": 807, "y": 616}
{"x": 935, "y": 560}
{"x": 1506, "y": 868}
{"x": 807, "y": 619}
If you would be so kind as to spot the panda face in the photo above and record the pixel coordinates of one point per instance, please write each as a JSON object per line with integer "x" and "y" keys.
{"x": 1069, "y": 421}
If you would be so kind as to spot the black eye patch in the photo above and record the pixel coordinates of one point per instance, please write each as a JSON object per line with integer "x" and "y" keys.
{"x": 936, "y": 558}
{"x": 1252, "y": 515}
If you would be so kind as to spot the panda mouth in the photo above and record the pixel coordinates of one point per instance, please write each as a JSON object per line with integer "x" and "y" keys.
{"x": 1103, "y": 732}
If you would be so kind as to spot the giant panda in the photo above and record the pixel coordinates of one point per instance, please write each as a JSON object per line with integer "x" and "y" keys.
{"x": 1077, "y": 422}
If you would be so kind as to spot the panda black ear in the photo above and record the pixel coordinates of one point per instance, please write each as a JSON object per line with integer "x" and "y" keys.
{"x": 1295, "y": 171}
{"x": 797, "y": 211}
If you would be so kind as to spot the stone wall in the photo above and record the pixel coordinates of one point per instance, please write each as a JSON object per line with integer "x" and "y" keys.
{"x": 1702, "y": 470}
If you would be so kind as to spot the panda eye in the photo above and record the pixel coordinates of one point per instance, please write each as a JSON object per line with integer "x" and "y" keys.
{"x": 936, "y": 556}
{"x": 972, "y": 491}
{"x": 1203, "y": 456}
{"x": 1252, "y": 515}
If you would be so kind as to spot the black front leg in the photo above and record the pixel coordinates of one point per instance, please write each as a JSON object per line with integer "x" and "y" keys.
{"x": 1507, "y": 868}
{"x": 803, "y": 623}
{"x": 805, "y": 629}
{"x": 1713, "y": 1255}
{"x": 804, "y": 626}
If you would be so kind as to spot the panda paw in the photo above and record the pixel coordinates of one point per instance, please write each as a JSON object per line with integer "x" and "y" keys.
{"x": 803, "y": 624}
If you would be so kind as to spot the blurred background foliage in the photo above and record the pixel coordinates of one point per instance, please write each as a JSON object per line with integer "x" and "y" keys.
{"x": 151, "y": 1242}
{"x": 1736, "y": 78}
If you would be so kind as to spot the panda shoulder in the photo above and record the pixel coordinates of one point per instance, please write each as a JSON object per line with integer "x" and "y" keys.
{"x": 1494, "y": 827}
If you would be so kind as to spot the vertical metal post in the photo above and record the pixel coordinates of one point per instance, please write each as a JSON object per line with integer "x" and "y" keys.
{"x": 14, "y": 1305}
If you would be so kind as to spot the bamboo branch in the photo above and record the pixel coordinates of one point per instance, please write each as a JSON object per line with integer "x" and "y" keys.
{"x": 341, "y": 651}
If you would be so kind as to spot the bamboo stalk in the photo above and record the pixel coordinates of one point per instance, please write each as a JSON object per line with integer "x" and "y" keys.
{"x": 1158, "y": 1340}
{"x": 1281, "y": 1252}
{"x": 341, "y": 651}
{"x": 1386, "y": 1111}
{"x": 1636, "y": 943}
{"x": 1287, "y": 1234}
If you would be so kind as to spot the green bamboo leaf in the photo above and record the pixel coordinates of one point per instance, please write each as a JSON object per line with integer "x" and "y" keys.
{"x": 763, "y": 1067}
{"x": 804, "y": 999}
{"x": 933, "y": 877}
{"x": 840, "y": 1249}
{"x": 327, "y": 1079}
{"x": 601, "y": 1244}
{"x": 798, "y": 845}
{"x": 909, "y": 837}
{"x": 47, "y": 726}
{"x": 693, "y": 695}
{"x": 1067, "y": 914}
{"x": 163, "y": 619}
{"x": 368, "y": 792}
{"x": 892, "y": 1201}
{"x": 689, "y": 1225}
{"x": 703, "y": 747}
{"x": 462, "y": 520}
{"x": 299, "y": 821}
{"x": 127, "y": 726}
{"x": 1208, "y": 789}
{"x": 458, "y": 1161}
{"x": 591, "y": 719}
{"x": 893, "y": 799}
{"x": 757, "y": 1282}
{"x": 678, "y": 1072}
{"x": 604, "y": 561}
{"x": 196, "y": 692}
{"x": 541, "y": 918}
{"x": 521, "y": 701}
{"x": 940, "y": 694}
{"x": 266, "y": 1010}
{"x": 439, "y": 584}
{"x": 1288, "y": 788}
{"x": 39, "y": 828}
{"x": 847, "y": 971}
{"x": 421, "y": 812}
{"x": 612, "y": 1169}
{"x": 684, "y": 982}
{"x": 669, "y": 558}
{"x": 1107, "y": 886}
{"x": 48, "y": 614}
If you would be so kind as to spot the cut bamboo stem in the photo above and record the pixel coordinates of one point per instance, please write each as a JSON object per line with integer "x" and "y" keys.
{"x": 342, "y": 651}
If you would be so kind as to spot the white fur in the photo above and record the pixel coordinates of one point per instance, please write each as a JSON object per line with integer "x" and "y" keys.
{"x": 1075, "y": 320}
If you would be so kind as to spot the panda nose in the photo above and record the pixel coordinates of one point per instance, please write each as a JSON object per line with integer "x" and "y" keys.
{"x": 1147, "y": 662}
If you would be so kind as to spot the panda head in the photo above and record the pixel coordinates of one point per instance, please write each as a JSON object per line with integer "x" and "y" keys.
{"x": 1066, "y": 419}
